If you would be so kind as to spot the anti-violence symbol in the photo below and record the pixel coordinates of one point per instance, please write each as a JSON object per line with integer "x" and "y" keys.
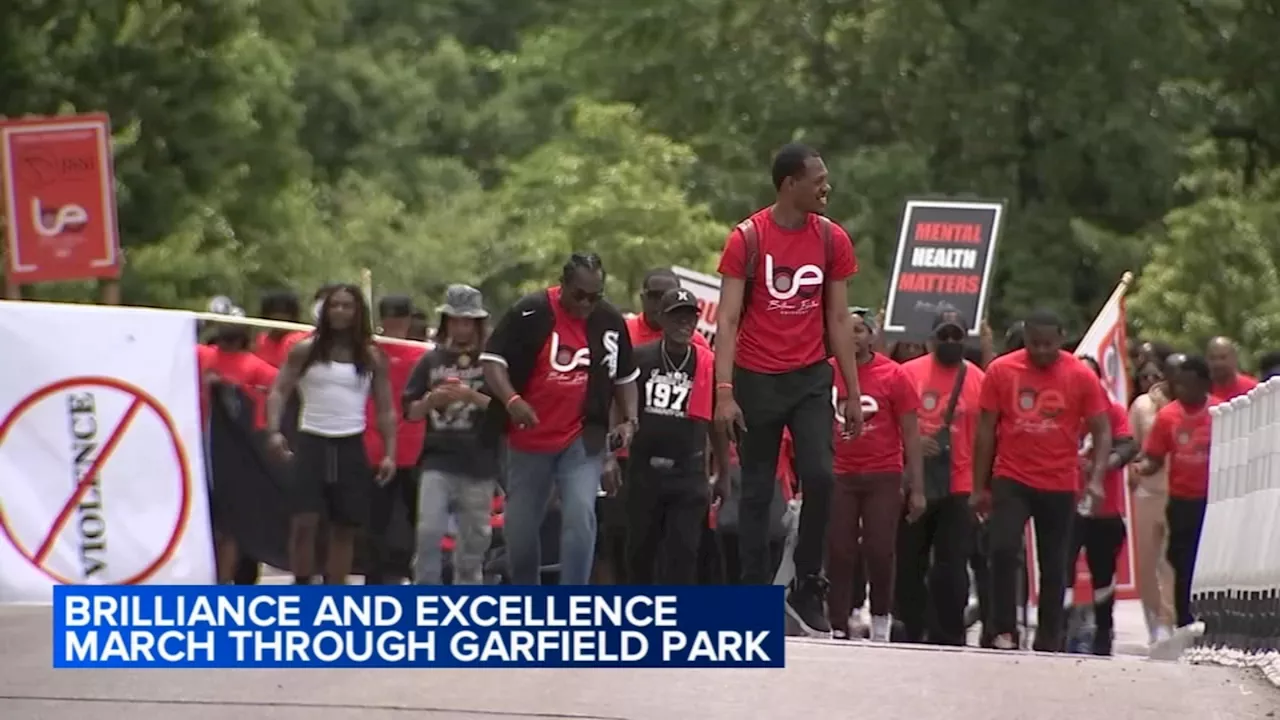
{"x": 95, "y": 485}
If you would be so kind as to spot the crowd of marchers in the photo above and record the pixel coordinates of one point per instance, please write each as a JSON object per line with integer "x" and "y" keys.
{"x": 595, "y": 446}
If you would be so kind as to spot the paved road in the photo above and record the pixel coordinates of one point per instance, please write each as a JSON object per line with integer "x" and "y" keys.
{"x": 831, "y": 679}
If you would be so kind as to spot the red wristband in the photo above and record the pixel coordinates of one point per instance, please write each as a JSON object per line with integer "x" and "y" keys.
{"x": 724, "y": 386}
{"x": 514, "y": 397}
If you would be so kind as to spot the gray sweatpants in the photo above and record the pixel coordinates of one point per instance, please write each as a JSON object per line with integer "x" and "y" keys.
{"x": 471, "y": 501}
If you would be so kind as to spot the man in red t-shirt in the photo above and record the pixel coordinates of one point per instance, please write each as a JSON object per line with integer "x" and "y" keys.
{"x": 228, "y": 362}
{"x": 1224, "y": 369}
{"x": 1034, "y": 403}
{"x": 1099, "y": 527}
{"x": 866, "y": 502}
{"x": 1179, "y": 439}
{"x": 783, "y": 302}
{"x": 934, "y": 551}
{"x": 556, "y": 363}
{"x": 389, "y": 565}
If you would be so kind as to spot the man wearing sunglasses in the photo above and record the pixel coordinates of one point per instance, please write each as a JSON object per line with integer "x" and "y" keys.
{"x": 783, "y": 312}
{"x": 556, "y": 364}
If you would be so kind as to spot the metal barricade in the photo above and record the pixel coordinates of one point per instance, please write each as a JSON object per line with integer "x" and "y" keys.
{"x": 1236, "y": 585}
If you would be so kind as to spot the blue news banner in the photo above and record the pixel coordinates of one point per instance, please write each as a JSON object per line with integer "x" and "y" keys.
{"x": 401, "y": 627}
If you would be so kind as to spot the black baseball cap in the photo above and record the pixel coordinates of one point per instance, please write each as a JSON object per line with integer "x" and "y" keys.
{"x": 395, "y": 306}
{"x": 950, "y": 318}
{"x": 677, "y": 298}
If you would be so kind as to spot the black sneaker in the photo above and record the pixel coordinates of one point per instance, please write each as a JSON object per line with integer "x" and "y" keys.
{"x": 806, "y": 605}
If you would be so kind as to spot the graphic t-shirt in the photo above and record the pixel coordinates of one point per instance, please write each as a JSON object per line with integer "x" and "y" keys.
{"x": 276, "y": 350}
{"x": 1241, "y": 384}
{"x": 935, "y": 381}
{"x": 888, "y": 393}
{"x": 244, "y": 370}
{"x": 557, "y": 388}
{"x": 1113, "y": 484}
{"x": 1181, "y": 436}
{"x": 783, "y": 327}
{"x": 642, "y": 333}
{"x": 1040, "y": 414}
{"x": 401, "y": 360}
{"x": 675, "y": 392}
{"x": 452, "y": 442}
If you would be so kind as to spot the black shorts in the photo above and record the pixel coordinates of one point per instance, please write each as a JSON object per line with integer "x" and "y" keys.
{"x": 332, "y": 477}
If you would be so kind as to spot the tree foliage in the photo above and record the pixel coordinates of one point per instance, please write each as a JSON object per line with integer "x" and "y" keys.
{"x": 298, "y": 141}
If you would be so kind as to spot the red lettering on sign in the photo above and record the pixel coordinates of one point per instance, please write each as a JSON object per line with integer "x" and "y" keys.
{"x": 969, "y": 233}
{"x": 939, "y": 283}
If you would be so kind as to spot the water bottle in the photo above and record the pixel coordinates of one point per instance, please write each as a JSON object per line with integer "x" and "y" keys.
{"x": 1084, "y": 508}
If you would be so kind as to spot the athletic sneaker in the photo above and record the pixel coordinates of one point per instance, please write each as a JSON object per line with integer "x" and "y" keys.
{"x": 806, "y": 605}
{"x": 1172, "y": 647}
{"x": 1004, "y": 642}
{"x": 881, "y": 628}
{"x": 840, "y": 634}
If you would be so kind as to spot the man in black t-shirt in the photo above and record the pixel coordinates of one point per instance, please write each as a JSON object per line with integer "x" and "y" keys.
{"x": 667, "y": 480}
{"x": 457, "y": 473}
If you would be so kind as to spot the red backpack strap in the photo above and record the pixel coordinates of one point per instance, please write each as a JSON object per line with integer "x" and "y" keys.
{"x": 751, "y": 247}
{"x": 751, "y": 244}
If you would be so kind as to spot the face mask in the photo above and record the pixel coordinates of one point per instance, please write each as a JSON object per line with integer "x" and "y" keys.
{"x": 950, "y": 353}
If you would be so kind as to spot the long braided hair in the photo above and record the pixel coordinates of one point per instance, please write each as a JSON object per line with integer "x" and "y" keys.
{"x": 324, "y": 338}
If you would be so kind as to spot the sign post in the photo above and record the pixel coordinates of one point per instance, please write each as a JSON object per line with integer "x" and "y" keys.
{"x": 59, "y": 202}
{"x": 946, "y": 251}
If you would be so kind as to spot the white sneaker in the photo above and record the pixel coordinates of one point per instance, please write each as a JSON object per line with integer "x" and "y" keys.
{"x": 881, "y": 628}
{"x": 1179, "y": 641}
{"x": 855, "y": 618}
{"x": 1160, "y": 634}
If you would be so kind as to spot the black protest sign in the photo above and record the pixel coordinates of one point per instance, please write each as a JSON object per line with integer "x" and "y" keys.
{"x": 946, "y": 250}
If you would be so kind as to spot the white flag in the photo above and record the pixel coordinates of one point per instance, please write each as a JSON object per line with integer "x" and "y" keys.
{"x": 102, "y": 470}
{"x": 1107, "y": 342}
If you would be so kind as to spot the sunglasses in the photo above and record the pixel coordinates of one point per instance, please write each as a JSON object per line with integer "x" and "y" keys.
{"x": 949, "y": 335}
{"x": 581, "y": 295}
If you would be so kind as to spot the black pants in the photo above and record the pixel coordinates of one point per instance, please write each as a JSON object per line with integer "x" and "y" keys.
{"x": 730, "y": 548}
{"x": 1012, "y": 505}
{"x": 799, "y": 400}
{"x": 665, "y": 518}
{"x": 1100, "y": 538}
{"x": 933, "y": 577}
{"x": 1186, "y": 519}
{"x": 393, "y": 526}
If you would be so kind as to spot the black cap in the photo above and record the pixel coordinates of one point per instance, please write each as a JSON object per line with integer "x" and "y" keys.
{"x": 950, "y": 318}
{"x": 395, "y": 306}
{"x": 677, "y": 298}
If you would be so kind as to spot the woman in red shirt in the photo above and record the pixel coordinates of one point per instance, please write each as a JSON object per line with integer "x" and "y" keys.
{"x": 1099, "y": 528}
{"x": 866, "y": 500}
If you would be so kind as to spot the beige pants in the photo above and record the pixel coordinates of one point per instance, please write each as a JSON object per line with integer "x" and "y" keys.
{"x": 1151, "y": 542}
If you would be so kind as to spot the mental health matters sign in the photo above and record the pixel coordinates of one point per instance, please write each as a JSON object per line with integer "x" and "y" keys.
{"x": 946, "y": 250}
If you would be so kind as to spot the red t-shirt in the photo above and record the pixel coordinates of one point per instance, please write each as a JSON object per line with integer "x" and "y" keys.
{"x": 409, "y": 435}
{"x": 935, "y": 382}
{"x": 248, "y": 372}
{"x": 1181, "y": 436}
{"x": 888, "y": 393}
{"x": 642, "y": 334}
{"x": 557, "y": 387}
{"x": 783, "y": 327}
{"x": 1240, "y": 385}
{"x": 276, "y": 351}
{"x": 1113, "y": 482}
{"x": 1040, "y": 416}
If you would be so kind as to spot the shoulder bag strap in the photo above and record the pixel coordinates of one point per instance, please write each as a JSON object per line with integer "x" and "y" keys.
{"x": 955, "y": 395}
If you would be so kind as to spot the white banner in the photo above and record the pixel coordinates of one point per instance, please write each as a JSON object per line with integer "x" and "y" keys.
{"x": 102, "y": 470}
{"x": 707, "y": 289}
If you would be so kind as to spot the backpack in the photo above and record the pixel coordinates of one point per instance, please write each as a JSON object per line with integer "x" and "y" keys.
{"x": 751, "y": 239}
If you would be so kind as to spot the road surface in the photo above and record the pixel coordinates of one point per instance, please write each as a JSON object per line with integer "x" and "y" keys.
{"x": 822, "y": 679}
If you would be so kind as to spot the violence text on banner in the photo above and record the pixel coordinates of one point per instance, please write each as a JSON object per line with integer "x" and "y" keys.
{"x": 706, "y": 289}
{"x": 59, "y": 195}
{"x": 945, "y": 255}
{"x": 102, "y": 476}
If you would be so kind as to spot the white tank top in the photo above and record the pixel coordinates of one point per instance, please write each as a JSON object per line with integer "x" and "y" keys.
{"x": 334, "y": 397}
